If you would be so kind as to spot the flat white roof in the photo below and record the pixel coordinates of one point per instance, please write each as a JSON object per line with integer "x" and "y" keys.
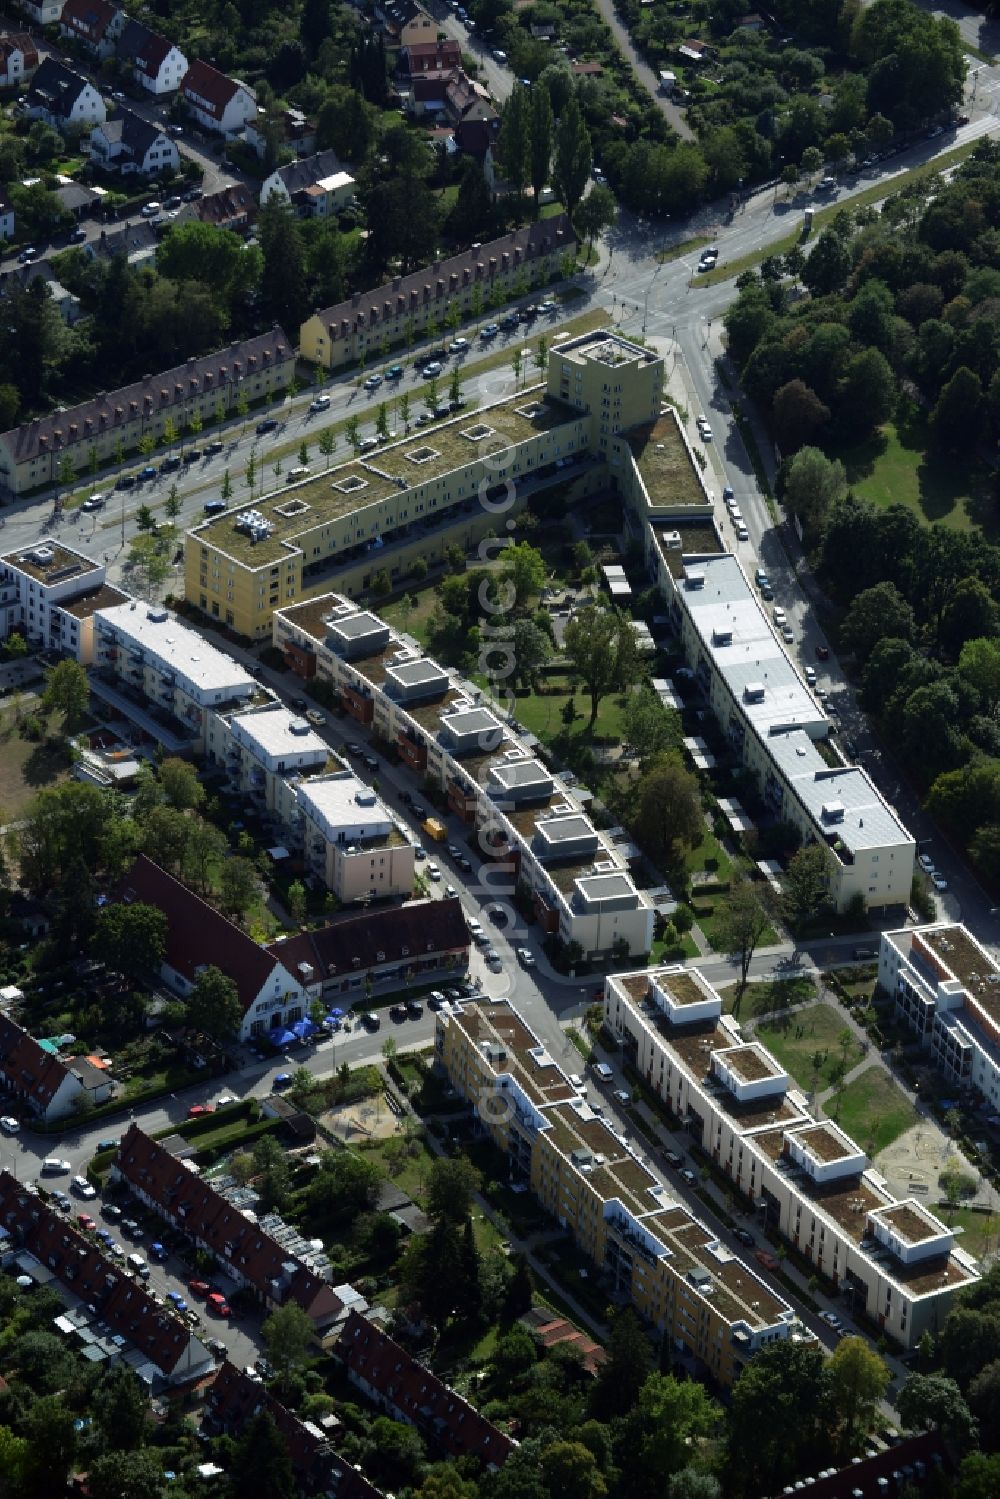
{"x": 737, "y": 635}
{"x": 276, "y": 732}
{"x": 338, "y": 179}
{"x": 344, "y": 804}
{"x": 174, "y": 647}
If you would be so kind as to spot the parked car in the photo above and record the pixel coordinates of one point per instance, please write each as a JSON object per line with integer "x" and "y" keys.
{"x": 198, "y": 1110}
{"x": 394, "y": 372}
{"x": 282, "y": 1079}
{"x": 93, "y": 502}
{"x": 53, "y": 1165}
{"x": 373, "y": 382}
{"x": 82, "y": 1187}
{"x": 432, "y": 370}
{"x": 525, "y": 958}
{"x": 319, "y": 403}
{"x": 822, "y": 653}
{"x": 490, "y": 331}
{"x": 269, "y": 424}
{"x": 151, "y": 210}
{"x": 744, "y": 1236}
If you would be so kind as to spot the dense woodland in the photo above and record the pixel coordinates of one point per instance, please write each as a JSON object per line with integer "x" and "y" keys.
{"x": 902, "y": 326}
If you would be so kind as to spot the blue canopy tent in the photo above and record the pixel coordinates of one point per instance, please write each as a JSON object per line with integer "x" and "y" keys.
{"x": 305, "y": 1028}
{"x": 281, "y": 1038}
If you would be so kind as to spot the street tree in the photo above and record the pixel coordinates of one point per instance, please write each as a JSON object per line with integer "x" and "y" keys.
{"x": 67, "y": 691}
{"x": 813, "y": 485}
{"x": 600, "y": 646}
{"x": 745, "y": 920}
{"x": 213, "y": 1006}
{"x": 668, "y": 816}
{"x": 597, "y": 213}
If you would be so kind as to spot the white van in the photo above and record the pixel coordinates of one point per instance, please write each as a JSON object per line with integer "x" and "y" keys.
{"x": 138, "y": 1264}
{"x": 602, "y": 1071}
{"x": 779, "y": 615}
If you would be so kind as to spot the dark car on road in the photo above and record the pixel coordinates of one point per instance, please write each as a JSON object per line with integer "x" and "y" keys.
{"x": 269, "y": 424}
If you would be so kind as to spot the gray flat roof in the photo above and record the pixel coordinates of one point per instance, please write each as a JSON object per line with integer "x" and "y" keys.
{"x": 569, "y": 828}
{"x": 413, "y": 673}
{"x": 521, "y": 773}
{"x": 471, "y": 721}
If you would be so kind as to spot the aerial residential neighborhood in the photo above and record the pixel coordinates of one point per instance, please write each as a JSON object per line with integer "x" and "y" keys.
{"x": 499, "y": 772}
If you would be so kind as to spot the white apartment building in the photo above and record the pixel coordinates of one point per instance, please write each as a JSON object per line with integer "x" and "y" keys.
{"x": 774, "y": 723}
{"x": 50, "y": 593}
{"x": 143, "y": 650}
{"x": 946, "y": 988}
{"x": 539, "y": 834}
{"x": 896, "y": 1261}
{"x": 352, "y": 840}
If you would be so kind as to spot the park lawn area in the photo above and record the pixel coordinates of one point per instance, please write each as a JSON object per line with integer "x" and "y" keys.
{"x": 874, "y": 1111}
{"x": 808, "y": 1036}
{"x": 542, "y": 716}
{"x": 894, "y": 467}
{"x": 767, "y": 997}
{"x": 709, "y": 857}
{"x": 26, "y": 766}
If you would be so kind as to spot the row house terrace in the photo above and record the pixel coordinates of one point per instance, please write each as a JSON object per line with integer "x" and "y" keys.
{"x": 170, "y": 1353}
{"x": 242, "y": 1248}
{"x": 808, "y": 1179}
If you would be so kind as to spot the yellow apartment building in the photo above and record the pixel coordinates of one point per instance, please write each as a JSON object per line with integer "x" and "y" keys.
{"x": 655, "y": 1254}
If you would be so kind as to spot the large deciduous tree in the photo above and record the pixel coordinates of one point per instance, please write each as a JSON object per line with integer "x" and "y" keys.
{"x": 601, "y": 647}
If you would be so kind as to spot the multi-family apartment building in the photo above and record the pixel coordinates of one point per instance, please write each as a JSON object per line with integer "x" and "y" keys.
{"x": 144, "y": 651}
{"x": 50, "y": 594}
{"x": 946, "y": 989}
{"x": 900, "y": 1265}
{"x": 774, "y": 724}
{"x": 211, "y": 386}
{"x": 532, "y": 824}
{"x": 338, "y": 824}
{"x": 414, "y": 498}
{"x": 467, "y": 284}
{"x": 715, "y": 1310}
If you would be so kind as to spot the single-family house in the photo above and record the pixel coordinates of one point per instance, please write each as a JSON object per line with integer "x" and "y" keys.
{"x": 129, "y": 144}
{"x": 218, "y": 103}
{"x": 95, "y": 24}
{"x": 438, "y": 56}
{"x": 6, "y": 219}
{"x": 61, "y": 97}
{"x": 233, "y": 207}
{"x": 317, "y": 186}
{"x": 18, "y": 58}
{"x": 67, "y": 304}
{"x": 295, "y": 132}
{"x": 52, "y": 1087}
{"x": 154, "y": 62}
{"x": 693, "y": 51}
{"x": 406, "y": 23}
{"x": 408, "y": 1391}
{"x": 477, "y": 128}
{"x": 198, "y": 936}
{"x": 42, "y": 12}
{"x": 121, "y": 1307}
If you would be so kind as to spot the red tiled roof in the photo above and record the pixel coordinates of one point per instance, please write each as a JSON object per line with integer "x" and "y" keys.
{"x": 197, "y": 934}
{"x": 233, "y": 1399}
{"x": 27, "y": 1068}
{"x": 89, "y": 18}
{"x": 168, "y": 390}
{"x": 124, "y": 1304}
{"x": 183, "y": 1198}
{"x": 213, "y": 90}
{"x": 424, "y": 57}
{"x": 586, "y": 69}
{"x": 414, "y": 1394}
{"x": 354, "y": 944}
{"x": 19, "y": 41}
{"x": 229, "y": 205}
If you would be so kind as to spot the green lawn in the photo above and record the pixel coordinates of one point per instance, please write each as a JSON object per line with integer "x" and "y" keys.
{"x": 893, "y": 467}
{"x": 685, "y": 947}
{"x": 980, "y": 1231}
{"x": 807, "y": 1044}
{"x": 711, "y": 858}
{"x": 542, "y": 715}
{"x": 766, "y": 998}
{"x": 412, "y": 617}
{"x": 874, "y": 1111}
